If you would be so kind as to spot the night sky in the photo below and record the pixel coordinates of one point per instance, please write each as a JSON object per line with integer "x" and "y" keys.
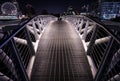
{"x": 56, "y": 6}
{"x": 53, "y": 6}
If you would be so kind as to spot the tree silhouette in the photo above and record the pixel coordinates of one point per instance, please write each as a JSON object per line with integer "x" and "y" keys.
{"x": 29, "y": 10}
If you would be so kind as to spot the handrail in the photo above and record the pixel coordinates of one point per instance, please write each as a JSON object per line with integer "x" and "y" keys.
{"x": 19, "y": 44}
{"x": 99, "y": 23}
{"x": 20, "y": 27}
{"x": 101, "y": 45}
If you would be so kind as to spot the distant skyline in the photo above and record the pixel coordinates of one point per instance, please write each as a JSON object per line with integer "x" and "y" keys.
{"x": 54, "y": 6}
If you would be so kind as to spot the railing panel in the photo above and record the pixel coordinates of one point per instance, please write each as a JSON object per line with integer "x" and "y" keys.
{"x": 18, "y": 46}
{"x": 102, "y": 46}
{"x": 24, "y": 47}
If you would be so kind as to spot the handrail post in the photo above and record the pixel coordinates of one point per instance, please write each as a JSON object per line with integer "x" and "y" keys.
{"x": 85, "y": 30}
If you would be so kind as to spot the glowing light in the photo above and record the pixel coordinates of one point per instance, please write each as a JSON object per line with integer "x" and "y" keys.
{"x": 9, "y": 8}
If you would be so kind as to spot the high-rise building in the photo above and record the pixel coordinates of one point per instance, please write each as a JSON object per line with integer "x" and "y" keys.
{"x": 110, "y": 10}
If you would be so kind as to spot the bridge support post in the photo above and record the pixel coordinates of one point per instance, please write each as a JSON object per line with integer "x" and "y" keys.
{"x": 85, "y": 31}
{"x": 81, "y": 25}
{"x": 35, "y": 31}
{"x": 39, "y": 26}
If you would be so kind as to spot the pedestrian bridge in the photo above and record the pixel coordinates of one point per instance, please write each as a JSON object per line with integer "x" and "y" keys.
{"x": 76, "y": 48}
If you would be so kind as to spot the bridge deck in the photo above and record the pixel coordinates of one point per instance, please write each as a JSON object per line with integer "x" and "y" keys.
{"x": 61, "y": 56}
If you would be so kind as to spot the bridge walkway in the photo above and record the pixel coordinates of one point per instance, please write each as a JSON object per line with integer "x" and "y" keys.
{"x": 61, "y": 55}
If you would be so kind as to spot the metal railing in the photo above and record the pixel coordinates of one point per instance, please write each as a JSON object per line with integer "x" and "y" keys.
{"x": 18, "y": 45}
{"x": 102, "y": 46}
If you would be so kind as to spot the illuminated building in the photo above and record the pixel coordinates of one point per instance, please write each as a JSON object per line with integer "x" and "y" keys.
{"x": 110, "y": 10}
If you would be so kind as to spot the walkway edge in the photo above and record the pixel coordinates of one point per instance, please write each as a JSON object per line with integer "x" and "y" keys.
{"x": 90, "y": 61}
{"x": 31, "y": 63}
